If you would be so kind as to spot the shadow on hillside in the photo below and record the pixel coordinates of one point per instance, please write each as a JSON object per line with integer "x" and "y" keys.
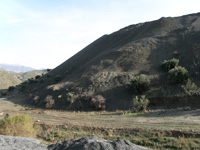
{"x": 119, "y": 98}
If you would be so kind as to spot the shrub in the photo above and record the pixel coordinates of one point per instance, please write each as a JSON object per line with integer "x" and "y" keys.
{"x": 31, "y": 81}
{"x": 140, "y": 84}
{"x": 37, "y": 77}
{"x": 70, "y": 98}
{"x": 140, "y": 104}
{"x": 98, "y": 102}
{"x": 17, "y": 125}
{"x": 191, "y": 88}
{"x": 178, "y": 75}
{"x": 49, "y": 102}
{"x": 11, "y": 88}
{"x": 170, "y": 64}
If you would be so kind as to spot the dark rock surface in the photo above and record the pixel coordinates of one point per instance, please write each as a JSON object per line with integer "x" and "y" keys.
{"x": 94, "y": 143}
{"x": 20, "y": 143}
{"x": 85, "y": 143}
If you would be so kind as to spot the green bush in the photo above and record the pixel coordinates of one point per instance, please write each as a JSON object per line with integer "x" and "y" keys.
{"x": 17, "y": 125}
{"x": 178, "y": 75}
{"x": 37, "y": 77}
{"x": 140, "y": 84}
{"x": 11, "y": 88}
{"x": 31, "y": 81}
{"x": 170, "y": 64}
{"x": 140, "y": 104}
{"x": 190, "y": 88}
{"x": 23, "y": 86}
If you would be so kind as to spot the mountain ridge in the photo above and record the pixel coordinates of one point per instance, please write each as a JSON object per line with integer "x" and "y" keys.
{"x": 16, "y": 68}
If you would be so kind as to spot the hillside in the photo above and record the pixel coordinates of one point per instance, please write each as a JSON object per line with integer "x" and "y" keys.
{"x": 23, "y": 76}
{"x": 12, "y": 78}
{"x": 16, "y": 68}
{"x": 106, "y": 66}
{"x": 7, "y": 79}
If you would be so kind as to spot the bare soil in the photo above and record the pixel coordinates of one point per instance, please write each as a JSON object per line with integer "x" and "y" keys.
{"x": 169, "y": 120}
{"x": 156, "y": 129}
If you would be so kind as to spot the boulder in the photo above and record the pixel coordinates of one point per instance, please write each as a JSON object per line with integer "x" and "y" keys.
{"x": 94, "y": 143}
{"x": 20, "y": 143}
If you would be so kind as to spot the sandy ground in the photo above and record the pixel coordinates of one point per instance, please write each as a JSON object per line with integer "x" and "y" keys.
{"x": 175, "y": 119}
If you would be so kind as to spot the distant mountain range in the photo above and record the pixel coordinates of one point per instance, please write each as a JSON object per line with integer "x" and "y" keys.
{"x": 16, "y": 68}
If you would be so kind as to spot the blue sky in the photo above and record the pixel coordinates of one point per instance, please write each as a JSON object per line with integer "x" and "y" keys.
{"x": 45, "y": 33}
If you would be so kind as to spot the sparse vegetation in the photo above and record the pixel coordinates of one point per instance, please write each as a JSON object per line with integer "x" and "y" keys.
{"x": 23, "y": 86}
{"x": 191, "y": 88}
{"x": 140, "y": 104}
{"x": 70, "y": 98}
{"x": 37, "y": 77}
{"x": 11, "y": 88}
{"x": 49, "y": 102}
{"x": 140, "y": 84}
{"x": 17, "y": 125}
{"x": 31, "y": 81}
{"x": 98, "y": 102}
{"x": 178, "y": 75}
{"x": 170, "y": 64}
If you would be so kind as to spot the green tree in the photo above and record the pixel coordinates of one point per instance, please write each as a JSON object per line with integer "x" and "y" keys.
{"x": 140, "y": 104}
{"x": 170, "y": 64}
{"x": 178, "y": 75}
{"x": 140, "y": 84}
{"x": 191, "y": 88}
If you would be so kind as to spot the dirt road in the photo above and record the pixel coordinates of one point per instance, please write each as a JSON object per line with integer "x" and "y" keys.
{"x": 179, "y": 120}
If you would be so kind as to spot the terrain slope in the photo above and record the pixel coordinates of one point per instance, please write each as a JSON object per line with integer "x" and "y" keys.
{"x": 7, "y": 79}
{"x": 106, "y": 66}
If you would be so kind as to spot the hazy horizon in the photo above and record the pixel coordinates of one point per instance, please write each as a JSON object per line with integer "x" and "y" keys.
{"x": 44, "y": 34}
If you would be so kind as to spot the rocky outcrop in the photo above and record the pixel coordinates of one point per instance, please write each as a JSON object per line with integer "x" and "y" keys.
{"x": 85, "y": 143}
{"x": 94, "y": 143}
{"x": 20, "y": 143}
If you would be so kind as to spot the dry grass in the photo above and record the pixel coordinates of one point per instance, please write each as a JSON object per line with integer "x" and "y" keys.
{"x": 18, "y": 125}
{"x": 168, "y": 129}
{"x": 155, "y": 140}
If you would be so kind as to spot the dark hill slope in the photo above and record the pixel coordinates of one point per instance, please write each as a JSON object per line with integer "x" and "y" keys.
{"x": 107, "y": 65}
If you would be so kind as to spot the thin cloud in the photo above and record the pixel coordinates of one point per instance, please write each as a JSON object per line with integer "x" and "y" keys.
{"x": 11, "y": 21}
